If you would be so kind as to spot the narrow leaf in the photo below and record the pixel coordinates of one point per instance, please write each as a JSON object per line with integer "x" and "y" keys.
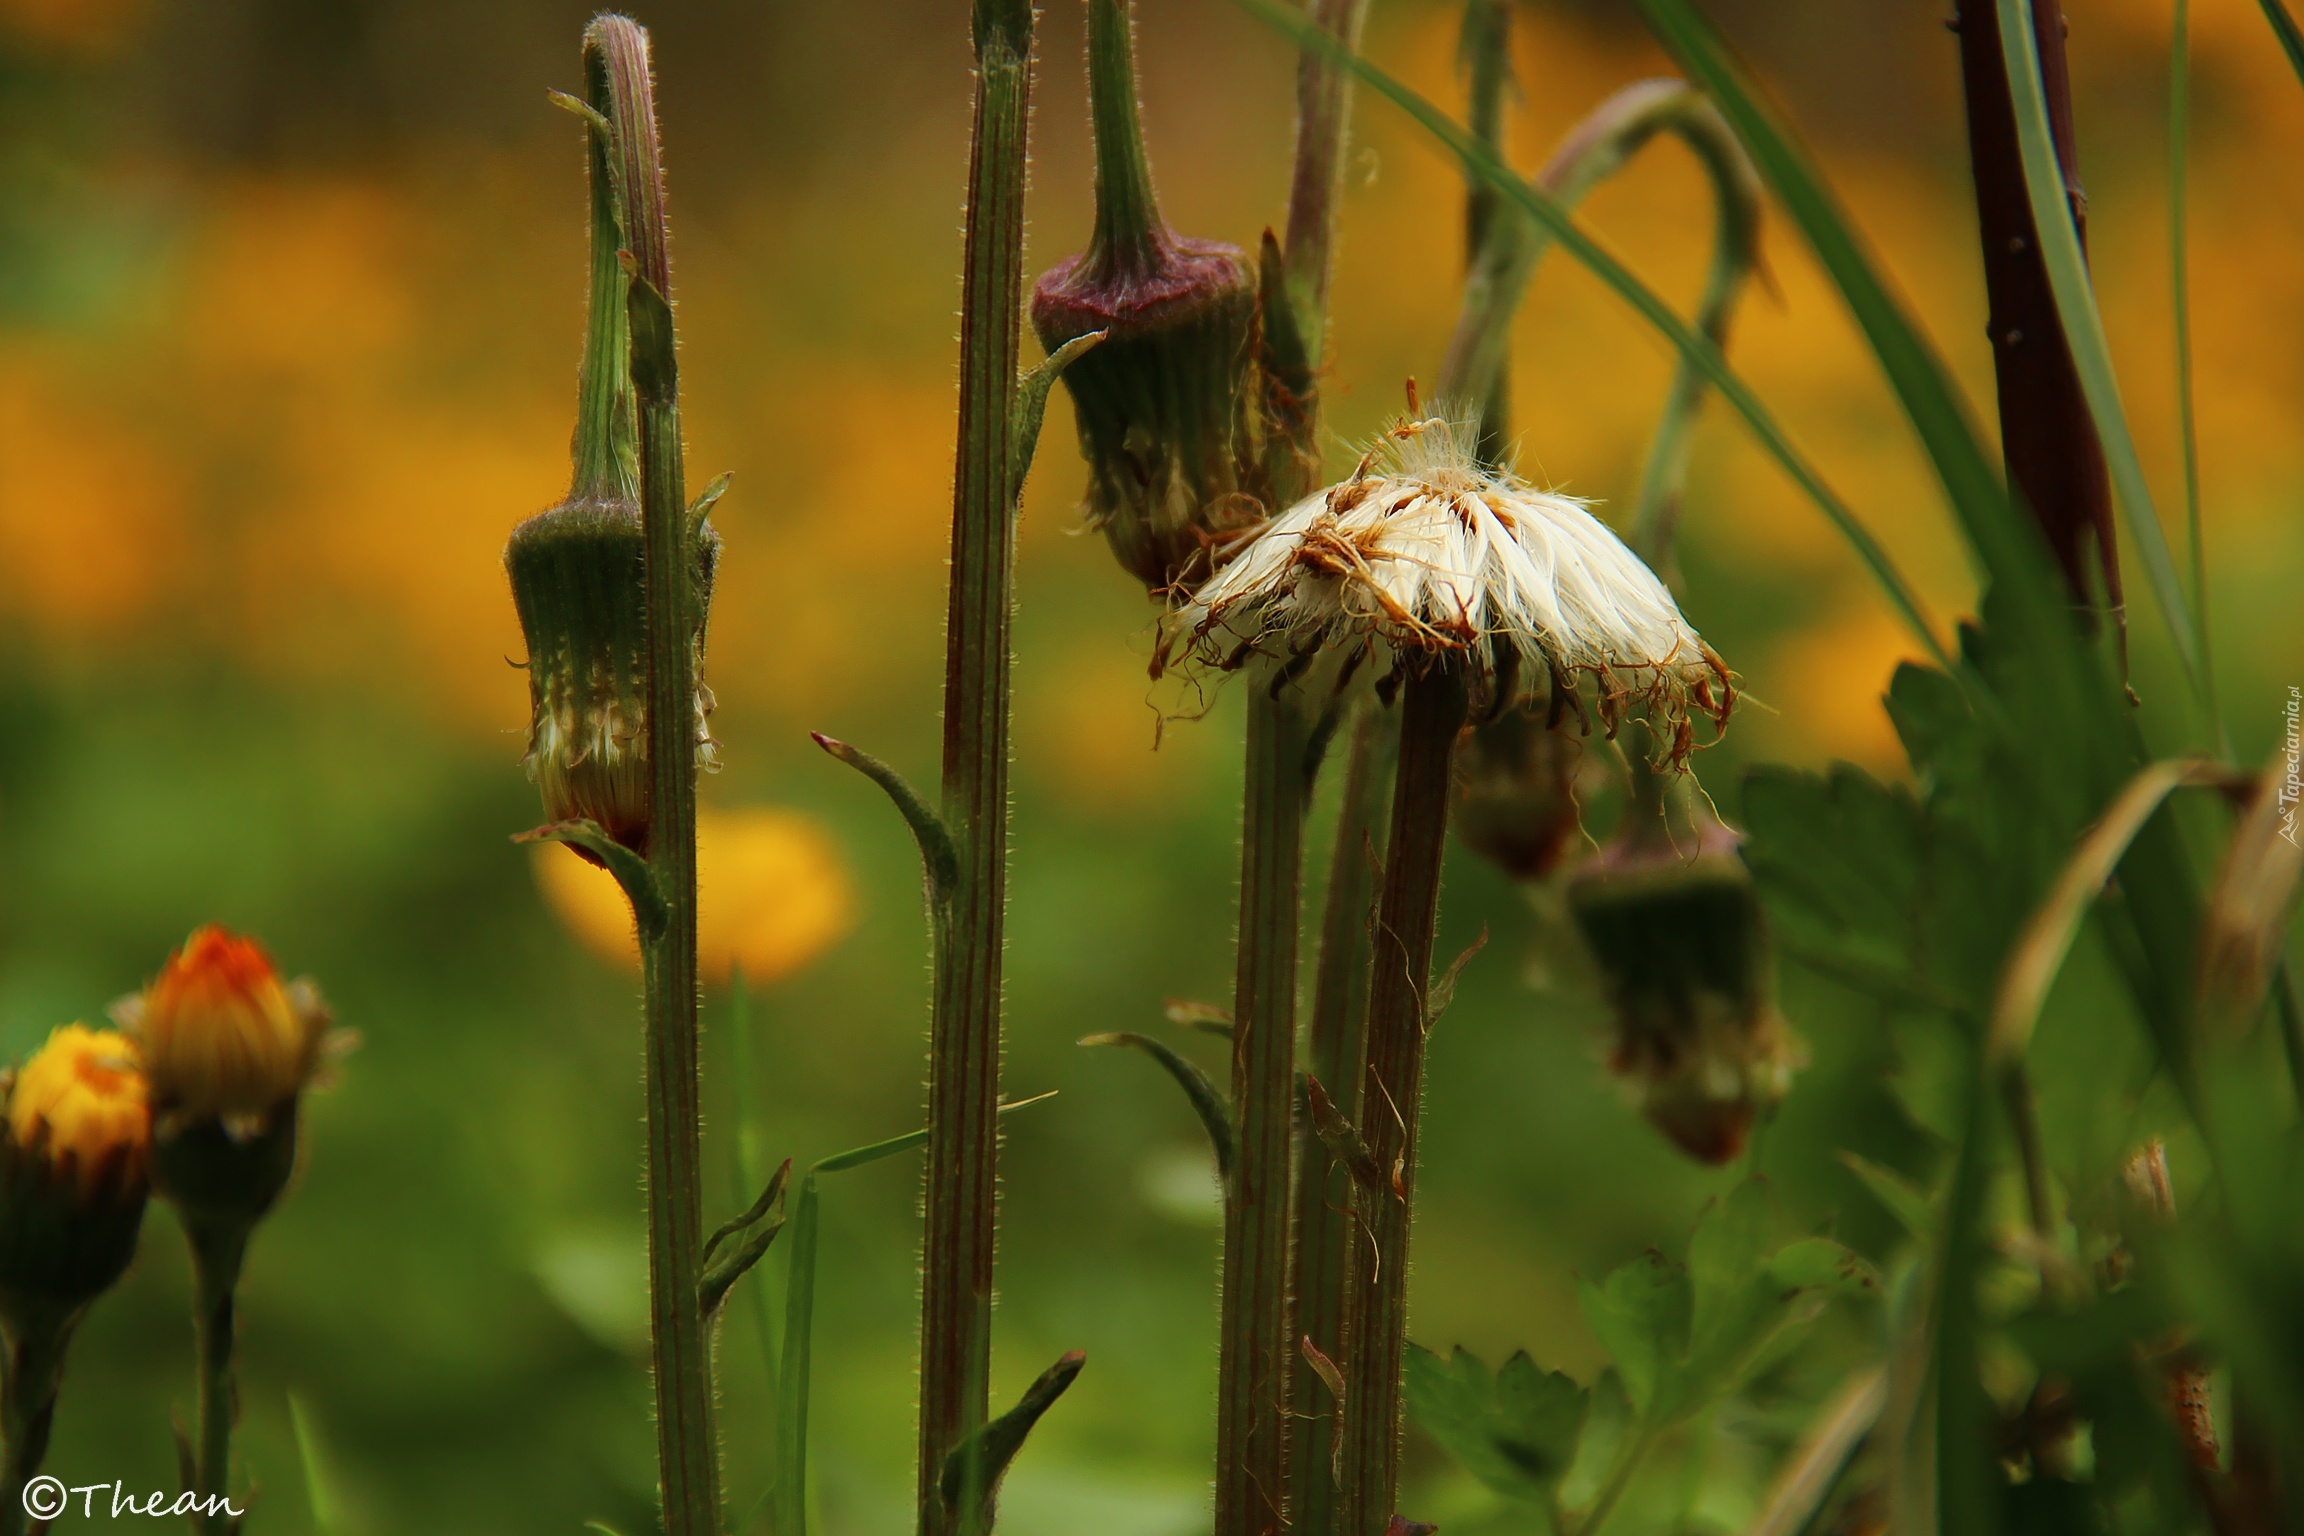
{"x": 973, "y": 1471}
{"x": 770, "y": 1195}
{"x": 1807, "y": 1476}
{"x": 2291, "y": 37}
{"x": 1442, "y": 992}
{"x": 1905, "y": 1200}
{"x": 1032, "y": 398}
{"x": 873, "y": 1152}
{"x": 631, "y": 871}
{"x": 2249, "y": 908}
{"x": 1208, "y": 1018}
{"x": 719, "y": 1278}
{"x": 937, "y": 852}
{"x": 2084, "y": 331}
{"x": 1215, "y": 1114}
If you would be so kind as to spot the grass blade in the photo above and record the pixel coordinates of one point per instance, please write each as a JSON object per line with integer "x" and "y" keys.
{"x": 2284, "y": 27}
{"x": 2084, "y": 333}
{"x": 2180, "y": 285}
{"x": 1699, "y": 352}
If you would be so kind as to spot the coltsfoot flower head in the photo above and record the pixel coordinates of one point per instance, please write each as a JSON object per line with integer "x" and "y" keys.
{"x": 222, "y": 1037}
{"x": 1165, "y": 403}
{"x": 1424, "y": 551}
{"x": 73, "y": 1169}
{"x": 1684, "y": 958}
{"x": 1516, "y": 792}
{"x": 576, "y": 575}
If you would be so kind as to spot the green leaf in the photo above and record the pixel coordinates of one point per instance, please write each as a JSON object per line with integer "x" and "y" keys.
{"x": 2291, "y": 38}
{"x": 1640, "y": 1315}
{"x": 939, "y": 856}
{"x": 1516, "y": 1432}
{"x": 1032, "y": 400}
{"x": 649, "y": 911}
{"x": 1209, "y": 1104}
{"x": 970, "y": 1480}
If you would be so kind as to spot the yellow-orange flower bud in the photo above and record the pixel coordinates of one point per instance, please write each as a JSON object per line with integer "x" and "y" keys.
{"x": 223, "y": 1037}
{"x": 80, "y": 1104}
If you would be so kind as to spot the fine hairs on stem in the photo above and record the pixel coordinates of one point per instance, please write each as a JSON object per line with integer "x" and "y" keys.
{"x": 964, "y": 1045}
{"x": 618, "y": 74}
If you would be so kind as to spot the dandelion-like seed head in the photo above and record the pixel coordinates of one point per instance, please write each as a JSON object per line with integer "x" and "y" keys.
{"x": 1422, "y": 552}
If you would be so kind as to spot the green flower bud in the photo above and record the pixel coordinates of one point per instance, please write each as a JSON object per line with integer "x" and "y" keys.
{"x": 1165, "y": 404}
{"x": 1676, "y": 928}
{"x": 576, "y": 575}
{"x": 1516, "y": 792}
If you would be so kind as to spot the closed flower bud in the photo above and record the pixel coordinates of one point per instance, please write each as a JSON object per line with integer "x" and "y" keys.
{"x": 1677, "y": 932}
{"x": 576, "y": 575}
{"x": 1516, "y": 792}
{"x": 73, "y": 1171}
{"x": 1164, "y": 403}
{"x": 222, "y": 1037}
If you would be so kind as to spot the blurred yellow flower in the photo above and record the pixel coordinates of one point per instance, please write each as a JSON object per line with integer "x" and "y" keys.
{"x": 772, "y": 891}
{"x": 222, "y": 1036}
{"x": 81, "y": 1103}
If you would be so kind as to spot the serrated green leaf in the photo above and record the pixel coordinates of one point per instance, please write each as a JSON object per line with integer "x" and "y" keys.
{"x": 1640, "y": 1315}
{"x": 1516, "y": 1431}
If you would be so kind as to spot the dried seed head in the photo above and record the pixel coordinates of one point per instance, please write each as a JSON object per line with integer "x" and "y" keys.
{"x": 1424, "y": 550}
{"x": 577, "y": 575}
{"x": 1516, "y": 792}
{"x": 1682, "y": 948}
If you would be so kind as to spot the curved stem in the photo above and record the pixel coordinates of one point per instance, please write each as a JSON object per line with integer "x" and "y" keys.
{"x": 1323, "y": 113}
{"x": 1619, "y": 1481}
{"x": 1486, "y": 51}
{"x": 1594, "y": 150}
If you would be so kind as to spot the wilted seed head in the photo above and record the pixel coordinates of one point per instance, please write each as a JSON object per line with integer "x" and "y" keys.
{"x": 74, "y": 1164}
{"x": 222, "y": 1037}
{"x": 1424, "y": 550}
{"x": 1516, "y": 791}
{"x": 577, "y": 580}
{"x": 1683, "y": 953}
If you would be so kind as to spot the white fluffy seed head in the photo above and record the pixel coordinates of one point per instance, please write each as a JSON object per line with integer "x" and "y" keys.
{"x": 1426, "y": 551}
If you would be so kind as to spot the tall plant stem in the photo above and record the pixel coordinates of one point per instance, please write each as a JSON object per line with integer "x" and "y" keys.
{"x": 1323, "y": 113}
{"x": 792, "y": 1385}
{"x": 1336, "y": 1050}
{"x": 29, "y": 1374}
{"x": 1255, "y": 1348}
{"x": 217, "y": 1251}
{"x": 1486, "y": 51}
{"x": 2047, "y": 437}
{"x": 964, "y": 1046}
{"x": 686, "y": 1451}
{"x": 1391, "y": 1092}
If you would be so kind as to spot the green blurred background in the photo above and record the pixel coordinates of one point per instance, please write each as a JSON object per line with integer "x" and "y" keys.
{"x": 290, "y": 302}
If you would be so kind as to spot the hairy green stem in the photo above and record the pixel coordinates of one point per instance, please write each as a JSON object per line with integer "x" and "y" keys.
{"x": 1336, "y": 1048}
{"x": 686, "y": 1449}
{"x": 1255, "y": 1348}
{"x": 1128, "y": 230}
{"x": 218, "y": 1247}
{"x": 964, "y": 1045}
{"x": 1391, "y": 1092}
{"x": 1323, "y": 114}
{"x": 30, "y": 1373}
{"x": 1485, "y": 50}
